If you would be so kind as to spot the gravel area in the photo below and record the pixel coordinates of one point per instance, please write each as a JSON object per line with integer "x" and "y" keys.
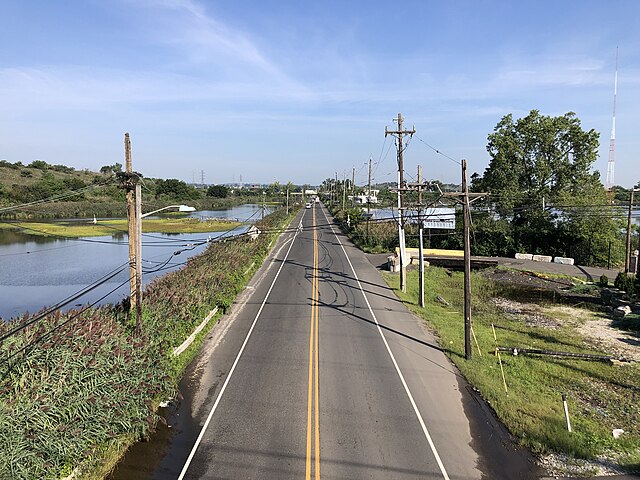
{"x": 531, "y": 314}
{"x": 616, "y": 342}
{"x": 560, "y": 466}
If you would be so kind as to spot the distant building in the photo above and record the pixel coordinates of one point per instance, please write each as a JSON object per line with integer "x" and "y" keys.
{"x": 364, "y": 199}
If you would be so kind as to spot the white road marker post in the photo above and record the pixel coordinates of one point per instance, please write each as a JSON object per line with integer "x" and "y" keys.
{"x": 566, "y": 411}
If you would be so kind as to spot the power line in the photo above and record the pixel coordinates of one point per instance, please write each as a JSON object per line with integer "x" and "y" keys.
{"x": 49, "y": 332}
{"x": 54, "y": 198}
{"x": 438, "y": 151}
{"x": 105, "y": 278}
{"x": 35, "y": 251}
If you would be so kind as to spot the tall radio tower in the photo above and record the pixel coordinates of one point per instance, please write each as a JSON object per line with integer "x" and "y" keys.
{"x": 612, "y": 141}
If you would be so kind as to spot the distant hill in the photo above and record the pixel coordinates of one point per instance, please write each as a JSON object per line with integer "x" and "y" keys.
{"x": 43, "y": 190}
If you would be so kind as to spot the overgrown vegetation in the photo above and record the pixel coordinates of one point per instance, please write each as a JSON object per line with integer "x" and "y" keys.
{"x": 601, "y": 397}
{"x": 86, "y": 385}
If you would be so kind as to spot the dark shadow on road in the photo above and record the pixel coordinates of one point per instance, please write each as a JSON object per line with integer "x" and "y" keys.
{"x": 354, "y": 316}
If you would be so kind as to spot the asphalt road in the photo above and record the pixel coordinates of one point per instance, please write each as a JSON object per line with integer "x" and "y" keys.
{"x": 320, "y": 372}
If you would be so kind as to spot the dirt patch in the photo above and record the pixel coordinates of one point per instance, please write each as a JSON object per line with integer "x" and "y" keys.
{"x": 596, "y": 329}
{"x": 530, "y": 279}
{"x": 616, "y": 342}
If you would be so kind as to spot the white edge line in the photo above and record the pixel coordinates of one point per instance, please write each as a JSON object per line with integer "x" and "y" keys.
{"x": 393, "y": 359}
{"x": 233, "y": 367}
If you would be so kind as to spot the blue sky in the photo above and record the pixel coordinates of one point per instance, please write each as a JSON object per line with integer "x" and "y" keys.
{"x": 299, "y": 90}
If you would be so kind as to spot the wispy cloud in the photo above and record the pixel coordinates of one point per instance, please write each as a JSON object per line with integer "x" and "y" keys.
{"x": 203, "y": 40}
{"x": 555, "y": 71}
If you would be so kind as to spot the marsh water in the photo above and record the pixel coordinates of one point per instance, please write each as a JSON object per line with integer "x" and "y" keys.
{"x": 37, "y": 271}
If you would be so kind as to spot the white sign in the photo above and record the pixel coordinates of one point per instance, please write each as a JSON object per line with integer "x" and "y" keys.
{"x": 439, "y": 217}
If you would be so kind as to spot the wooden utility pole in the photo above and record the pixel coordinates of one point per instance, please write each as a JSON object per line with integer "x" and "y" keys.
{"x": 465, "y": 198}
{"x": 138, "y": 256}
{"x": 130, "y": 183}
{"x": 131, "y": 214}
{"x": 420, "y": 244}
{"x": 399, "y": 135}
{"x": 467, "y": 264}
{"x": 287, "y": 199}
{"x": 353, "y": 187}
{"x": 627, "y": 257}
{"x": 344, "y": 189}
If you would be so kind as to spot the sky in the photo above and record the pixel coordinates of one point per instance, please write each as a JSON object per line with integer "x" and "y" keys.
{"x": 298, "y": 91}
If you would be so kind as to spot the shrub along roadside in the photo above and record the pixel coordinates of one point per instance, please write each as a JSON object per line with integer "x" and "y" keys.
{"x": 75, "y": 399}
{"x": 601, "y": 397}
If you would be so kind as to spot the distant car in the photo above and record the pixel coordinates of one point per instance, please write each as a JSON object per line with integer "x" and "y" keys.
{"x": 308, "y": 205}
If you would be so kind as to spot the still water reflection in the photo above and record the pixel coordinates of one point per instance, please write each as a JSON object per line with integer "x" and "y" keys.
{"x": 40, "y": 271}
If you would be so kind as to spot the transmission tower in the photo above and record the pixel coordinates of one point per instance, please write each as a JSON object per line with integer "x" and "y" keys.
{"x": 612, "y": 141}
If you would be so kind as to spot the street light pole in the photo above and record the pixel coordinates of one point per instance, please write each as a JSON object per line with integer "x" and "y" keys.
{"x": 181, "y": 208}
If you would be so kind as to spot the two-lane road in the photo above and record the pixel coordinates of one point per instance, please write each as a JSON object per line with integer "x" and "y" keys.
{"x": 321, "y": 372}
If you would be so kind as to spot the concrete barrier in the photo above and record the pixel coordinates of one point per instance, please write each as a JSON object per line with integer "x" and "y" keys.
{"x": 563, "y": 260}
{"x": 542, "y": 258}
{"x": 524, "y": 256}
{"x": 178, "y": 350}
{"x": 393, "y": 263}
{"x": 433, "y": 252}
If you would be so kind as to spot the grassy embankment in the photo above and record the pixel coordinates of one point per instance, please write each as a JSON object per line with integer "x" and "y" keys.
{"x": 109, "y": 227}
{"x": 77, "y": 389}
{"x": 601, "y": 397}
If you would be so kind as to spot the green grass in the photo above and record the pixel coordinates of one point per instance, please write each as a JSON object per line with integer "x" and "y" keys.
{"x": 601, "y": 397}
{"x": 109, "y": 227}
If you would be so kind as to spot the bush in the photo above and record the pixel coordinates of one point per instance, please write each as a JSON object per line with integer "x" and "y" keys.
{"x": 62, "y": 168}
{"x": 39, "y": 164}
{"x": 625, "y": 282}
{"x": 218, "y": 191}
{"x": 4, "y": 163}
{"x": 604, "y": 281}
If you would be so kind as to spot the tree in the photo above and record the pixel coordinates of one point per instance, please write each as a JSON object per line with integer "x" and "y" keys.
{"x": 274, "y": 188}
{"x": 538, "y": 157}
{"x": 218, "y": 191}
{"x": 540, "y": 169}
{"x": 176, "y": 189}
{"x": 115, "y": 168}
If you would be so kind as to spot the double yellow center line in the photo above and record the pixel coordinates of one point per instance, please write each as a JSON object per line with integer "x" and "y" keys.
{"x": 313, "y": 391}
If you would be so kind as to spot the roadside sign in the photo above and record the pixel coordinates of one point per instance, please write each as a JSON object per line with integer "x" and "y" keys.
{"x": 439, "y": 217}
